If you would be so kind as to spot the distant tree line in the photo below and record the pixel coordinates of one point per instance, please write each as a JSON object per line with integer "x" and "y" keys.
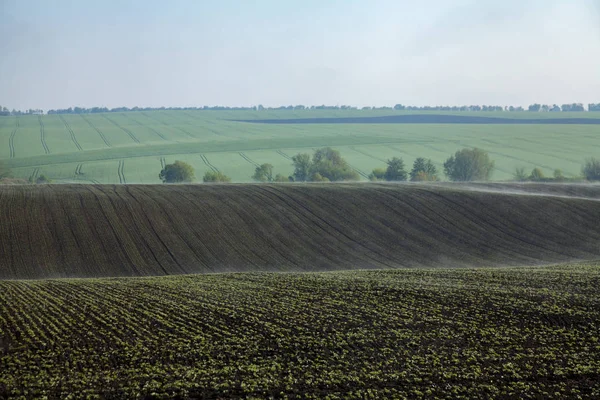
{"x": 327, "y": 165}
{"x": 575, "y": 107}
{"x": 6, "y": 112}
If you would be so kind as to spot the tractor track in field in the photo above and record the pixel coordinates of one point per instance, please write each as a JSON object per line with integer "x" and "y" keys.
{"x": 117, "y": 230}
{"x": 160, "y": 135}
{"x": 34, "y": 175}
{"x": 11, "y": 139}
{"x": 43, "y": 135}
{"x": 73, "y": 138}
{"x": 281, "y": 153}
{"x": 127, "y": 131}
{"x": 208, "y": 164}
{"x": 245, "y": 157}
{"x": 78, "y": 171}
{"x": 364, "y": 153}
{"x": 170, "y": 126}
{"x": 121, "y": 172}
{"x": 104, "y": 139}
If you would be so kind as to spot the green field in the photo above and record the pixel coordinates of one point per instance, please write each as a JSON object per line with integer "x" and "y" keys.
{"x": 131, "y": 147}
{"x": 427, "y": 333}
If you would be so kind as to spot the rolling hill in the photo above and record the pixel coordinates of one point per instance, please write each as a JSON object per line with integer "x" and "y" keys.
{"x": 58, "y": 231}
{"x": 132, "y": 147}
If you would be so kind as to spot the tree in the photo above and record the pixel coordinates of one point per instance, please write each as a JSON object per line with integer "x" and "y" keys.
{"x": 177, "y": 172}
{"x": 591, "y": 169}
{"x": 469, "y": 165}
{"x": 329, "y": 163}
{"x": 395, "y": 170}
{"x": 520, "y": 174}
{"x": 378, "y": 174}
{"x": 558, "y": 175}
{"x": 536, "y": 175}
{"x": 263, "y": 173}
{"x": 326, "y": 163}
{"x": 302, "y": 165}
{"x": 215, "y": 176}
{"x": 423, "y": 170}
{"x": 535, "y": 107}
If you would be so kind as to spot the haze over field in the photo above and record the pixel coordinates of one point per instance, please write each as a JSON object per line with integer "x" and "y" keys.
{"x": 112, "y": 53}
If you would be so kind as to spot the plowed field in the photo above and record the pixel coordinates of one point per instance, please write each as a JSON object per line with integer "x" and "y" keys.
{"x": 130, "y": 230}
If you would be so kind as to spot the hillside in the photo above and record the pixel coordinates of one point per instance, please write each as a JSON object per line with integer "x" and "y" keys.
{"x": 134, "y": 230}
{"x": 506, "y": 333}
{"x": 132, "y": 147}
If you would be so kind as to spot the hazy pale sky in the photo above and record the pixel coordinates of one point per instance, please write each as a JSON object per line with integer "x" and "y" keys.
{"x": 61, "y": 53}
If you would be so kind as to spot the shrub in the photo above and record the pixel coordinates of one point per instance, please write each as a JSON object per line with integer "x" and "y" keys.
{"x": 378, "y": 174}
{"x": 591, "y": 169}
{"x": 281, "y": 178}
{"x": 215, "y": 176}
{"x": 177, "y": 172}
{"x": 469, "y": 165}
{"x": 42, "y": 180}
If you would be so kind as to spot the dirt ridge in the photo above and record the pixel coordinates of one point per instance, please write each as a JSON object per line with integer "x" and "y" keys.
{"x": 56, "y": 231}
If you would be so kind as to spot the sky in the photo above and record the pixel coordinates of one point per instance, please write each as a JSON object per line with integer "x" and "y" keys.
{"x": 152, "y": 53}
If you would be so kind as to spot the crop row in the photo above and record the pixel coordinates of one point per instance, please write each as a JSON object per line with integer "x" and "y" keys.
{"x": 527, "y": 333}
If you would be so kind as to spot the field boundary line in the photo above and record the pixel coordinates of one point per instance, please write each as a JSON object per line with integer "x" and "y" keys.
{"x": 104, "y": 139}
{"x": 43, "y": 135}
{"x": 127, "y": 131}
{"x": 73, "y": 138}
